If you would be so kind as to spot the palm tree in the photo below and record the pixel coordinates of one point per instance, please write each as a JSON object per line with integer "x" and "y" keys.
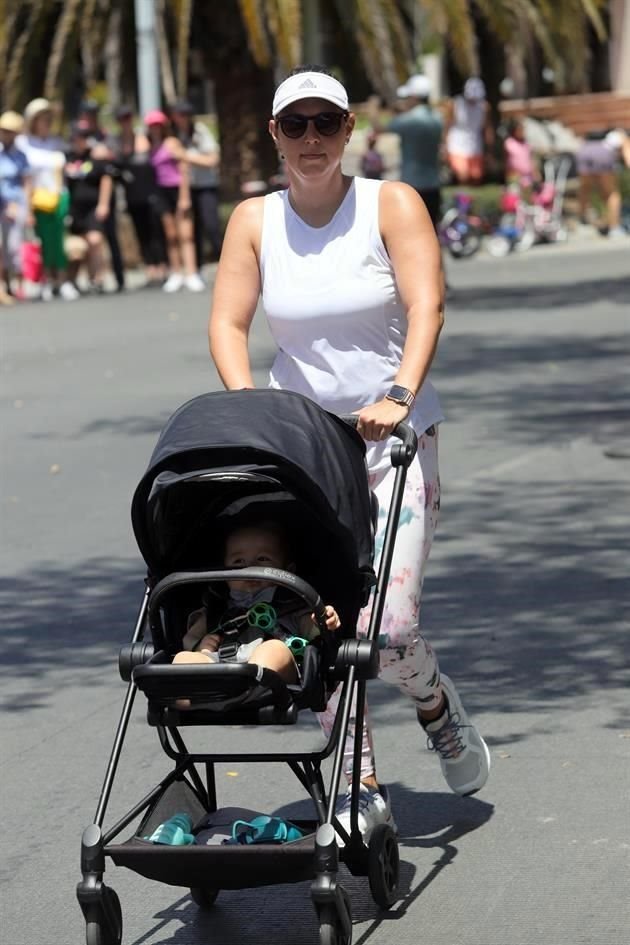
{"x": 247, "y": 44}
{"x": 555, "y": 30}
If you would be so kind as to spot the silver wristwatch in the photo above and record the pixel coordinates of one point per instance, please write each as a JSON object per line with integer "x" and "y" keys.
{"x": 401, "y": 395}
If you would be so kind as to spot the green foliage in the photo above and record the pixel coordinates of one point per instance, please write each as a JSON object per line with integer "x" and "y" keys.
{"x": 485, "y": 198}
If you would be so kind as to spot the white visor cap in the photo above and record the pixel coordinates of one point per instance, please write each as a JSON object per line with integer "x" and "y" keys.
{"x": 416, "y": 86}
{"x": 309, "y": 85}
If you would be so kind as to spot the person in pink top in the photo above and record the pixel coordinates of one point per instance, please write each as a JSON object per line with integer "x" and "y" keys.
{"x": 520, "y": 165}
{"x": 173, "y": 203}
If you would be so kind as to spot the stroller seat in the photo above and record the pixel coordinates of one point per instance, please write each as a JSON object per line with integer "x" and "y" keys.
{"x": 227, "y": 693}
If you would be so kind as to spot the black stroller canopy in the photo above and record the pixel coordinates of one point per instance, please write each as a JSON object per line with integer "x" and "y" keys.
{"x": 263, "y": 444}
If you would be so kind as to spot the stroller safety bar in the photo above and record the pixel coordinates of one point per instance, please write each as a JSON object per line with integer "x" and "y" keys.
{"x": 272, "y": 575}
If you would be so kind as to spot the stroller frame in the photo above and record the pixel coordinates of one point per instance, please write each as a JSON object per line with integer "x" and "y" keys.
{"x": 317, "y": 856}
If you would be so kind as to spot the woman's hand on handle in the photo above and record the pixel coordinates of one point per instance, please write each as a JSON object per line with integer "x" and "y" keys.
{"x": 376, "y": 421}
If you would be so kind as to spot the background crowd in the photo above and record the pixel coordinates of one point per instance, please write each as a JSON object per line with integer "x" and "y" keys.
{"x": 61, "y": 196}
{"x": 457, "y": 142}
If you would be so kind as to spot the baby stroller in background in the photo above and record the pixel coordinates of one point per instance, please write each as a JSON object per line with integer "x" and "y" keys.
{"x": 218, "y": 453}
{"x": 539, "y": 221}
{"x": 459, "y": 230}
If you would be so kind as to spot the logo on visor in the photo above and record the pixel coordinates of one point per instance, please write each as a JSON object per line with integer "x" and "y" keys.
{"x": 308, "y": 84}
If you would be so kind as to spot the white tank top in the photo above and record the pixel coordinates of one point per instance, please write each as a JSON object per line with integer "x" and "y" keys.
{"x": 334, "y": 309}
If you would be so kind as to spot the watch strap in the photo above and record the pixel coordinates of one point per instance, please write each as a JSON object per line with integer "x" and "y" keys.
{"x": 401, "y": 395}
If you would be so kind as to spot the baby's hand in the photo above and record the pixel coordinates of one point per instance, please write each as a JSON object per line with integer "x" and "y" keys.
{"x": 210, "y": 642}
{"x": 332, "y": 618}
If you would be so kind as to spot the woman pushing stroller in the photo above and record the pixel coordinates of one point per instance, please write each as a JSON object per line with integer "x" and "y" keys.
{"x": 350, "y": 275}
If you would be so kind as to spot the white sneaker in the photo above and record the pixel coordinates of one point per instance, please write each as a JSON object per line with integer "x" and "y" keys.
{"x": 195, "y": 283}
{"x": 374, "y": 809}
{"x": 174, "y": 282}
{"x": 69, "y": 292}
{"x": 46, "y": 294}
{"x": 616, "y": 233}
{"x": 464, "y": 756}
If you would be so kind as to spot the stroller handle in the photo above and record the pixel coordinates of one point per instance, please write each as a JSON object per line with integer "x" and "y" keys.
{"x": 270, "y": 575}
{"x": 402, "y": 453}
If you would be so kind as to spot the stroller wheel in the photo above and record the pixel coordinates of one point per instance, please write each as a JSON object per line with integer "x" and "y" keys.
{"x": 99, "y": 929}
{"x": 204, "y": 896}
{"x": 383, "y": 863}
{"x": 331, "y": 928}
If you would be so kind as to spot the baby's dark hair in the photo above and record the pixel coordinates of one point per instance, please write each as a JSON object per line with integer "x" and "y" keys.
{"x": 260, "y": 519}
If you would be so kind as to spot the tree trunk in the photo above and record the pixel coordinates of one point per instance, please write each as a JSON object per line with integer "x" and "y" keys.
{"x": 113, "y": 59}
{"x": 244, "y": 93}
{"x": 164, "y": 53}
{"x": 183, "y": 42}
{"x": 65, "y": 37}
{"x": 243, "y": 110}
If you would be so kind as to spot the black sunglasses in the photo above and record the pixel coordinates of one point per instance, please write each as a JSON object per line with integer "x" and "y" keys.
{"x": 326, "y": 123}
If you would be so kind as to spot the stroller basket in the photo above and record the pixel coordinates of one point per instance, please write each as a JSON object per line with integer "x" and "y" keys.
{"x": 257, "y": 865}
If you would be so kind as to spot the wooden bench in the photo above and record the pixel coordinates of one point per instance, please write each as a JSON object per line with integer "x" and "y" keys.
{"x": 599, "y": 111}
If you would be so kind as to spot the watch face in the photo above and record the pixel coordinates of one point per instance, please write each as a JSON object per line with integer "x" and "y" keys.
{"x": 400, "y": 395}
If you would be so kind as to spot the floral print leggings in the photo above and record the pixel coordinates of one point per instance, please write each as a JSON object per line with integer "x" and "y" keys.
{"x": 406, "y": 659}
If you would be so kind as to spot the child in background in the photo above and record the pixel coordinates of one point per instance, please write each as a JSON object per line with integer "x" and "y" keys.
{"x": 372, "y": 164}
{"x": 263, "y": 544}
{"x": 520, "y": 165}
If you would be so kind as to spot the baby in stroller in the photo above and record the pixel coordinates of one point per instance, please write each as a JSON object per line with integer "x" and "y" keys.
{"x": 253, "y": 627}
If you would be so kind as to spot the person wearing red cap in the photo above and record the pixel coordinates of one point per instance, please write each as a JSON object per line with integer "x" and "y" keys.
{"x": 173, "y": 203}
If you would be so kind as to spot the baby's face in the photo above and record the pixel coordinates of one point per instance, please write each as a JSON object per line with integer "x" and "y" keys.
{"x": 254, "y": 548}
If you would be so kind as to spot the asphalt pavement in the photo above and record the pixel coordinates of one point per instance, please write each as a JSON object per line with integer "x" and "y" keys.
{"x": 526, "y": 601}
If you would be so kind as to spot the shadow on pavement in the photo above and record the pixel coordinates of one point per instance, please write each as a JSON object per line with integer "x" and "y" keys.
{"x": 543, "y": 295}
{"x": 433, "y": 822}
{"x": 58, "y": 619}
{"x": 534, "y": 612}
{"x": 533, "y": 391}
